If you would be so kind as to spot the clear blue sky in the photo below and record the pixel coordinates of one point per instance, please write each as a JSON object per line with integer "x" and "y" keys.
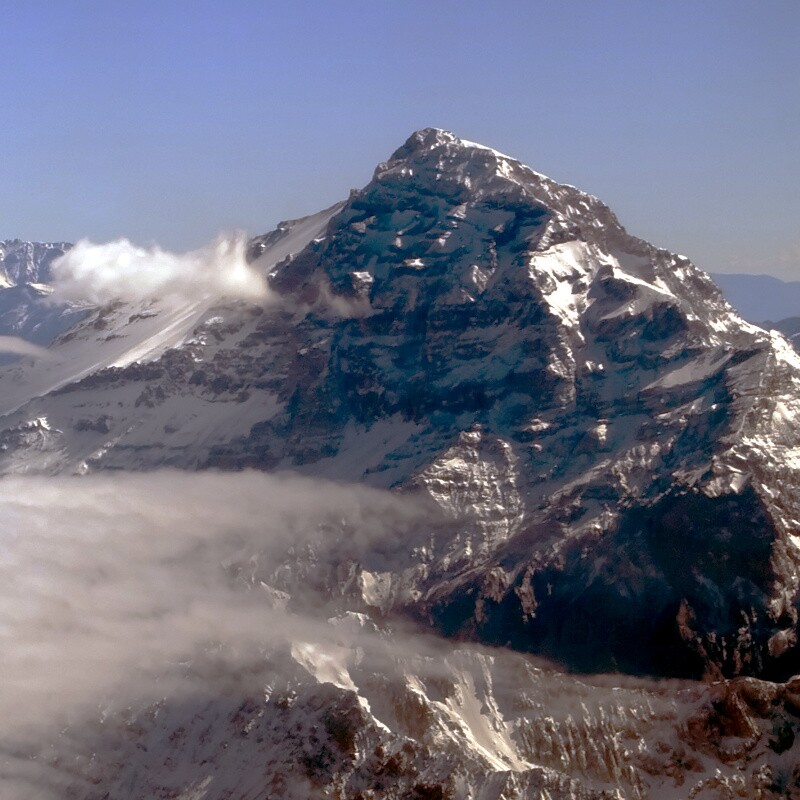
{"x": 170, "y": 121}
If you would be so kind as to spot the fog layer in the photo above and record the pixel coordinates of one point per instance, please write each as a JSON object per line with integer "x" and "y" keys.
{"x": 108, "y": 584}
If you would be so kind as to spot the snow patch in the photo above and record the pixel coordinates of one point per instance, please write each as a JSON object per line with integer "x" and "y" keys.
{"x": 326, "y": 664}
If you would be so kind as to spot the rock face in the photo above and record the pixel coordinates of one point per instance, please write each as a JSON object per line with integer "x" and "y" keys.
{"x": 617, "y": 450}
{"x": 588, "y": 402}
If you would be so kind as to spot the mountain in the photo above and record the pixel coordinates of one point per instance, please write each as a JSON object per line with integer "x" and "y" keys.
{"x": 762, "y": 299}
{"x": 468, "y": 726}
{"x": 605, "y": 460}
{"x": 619, "y": 447}
{"x": 25, "y": 307}
{"x": 28, "y": 263}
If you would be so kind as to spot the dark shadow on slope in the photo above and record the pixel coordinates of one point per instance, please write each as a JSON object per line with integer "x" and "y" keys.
{"x": 681, "y": 588}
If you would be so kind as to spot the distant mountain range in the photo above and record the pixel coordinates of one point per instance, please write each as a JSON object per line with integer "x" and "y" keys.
{"x": 25, "y": 307}
{"x": 763, "y": 299}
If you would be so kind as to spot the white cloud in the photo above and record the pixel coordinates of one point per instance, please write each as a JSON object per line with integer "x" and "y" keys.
{"x": 117, "y": 591}
{"x": 100, "y": 273}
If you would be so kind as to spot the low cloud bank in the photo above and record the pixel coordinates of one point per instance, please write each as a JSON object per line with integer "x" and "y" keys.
{"x": 119, "y": 270}
{"x": 163, "y": 590}
{"x": 106, "y": 582}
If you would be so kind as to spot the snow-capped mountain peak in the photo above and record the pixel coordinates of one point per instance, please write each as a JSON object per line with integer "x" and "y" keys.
{"x": 594, "y": 459}
{"x": 469, "y": 329}
{"x": 437, "y": 155}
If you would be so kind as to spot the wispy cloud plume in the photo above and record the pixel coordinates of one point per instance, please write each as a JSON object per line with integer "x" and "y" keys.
{"x": 21, "y": 347}
{"x": 120, "y": 270}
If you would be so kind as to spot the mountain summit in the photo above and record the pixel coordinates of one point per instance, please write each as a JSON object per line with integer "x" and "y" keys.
{"x": 616, "y": 450}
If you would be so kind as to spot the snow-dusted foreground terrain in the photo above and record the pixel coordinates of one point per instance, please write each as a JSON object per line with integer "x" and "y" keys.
{"x": 549, "y": 439}
{"x": 154, "y": 648}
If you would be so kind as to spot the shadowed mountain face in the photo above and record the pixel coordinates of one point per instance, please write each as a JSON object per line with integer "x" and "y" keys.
{"x": 617, "y": 452}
